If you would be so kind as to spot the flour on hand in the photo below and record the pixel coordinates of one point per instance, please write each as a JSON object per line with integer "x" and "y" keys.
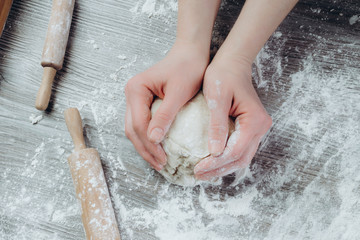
{"x": 186, "y": 143}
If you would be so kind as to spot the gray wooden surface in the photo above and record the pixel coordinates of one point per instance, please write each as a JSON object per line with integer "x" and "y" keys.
{"x": 304, "y": 181}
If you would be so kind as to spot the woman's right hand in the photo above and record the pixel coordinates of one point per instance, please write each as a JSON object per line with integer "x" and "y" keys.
{"x": 175, "y": 79}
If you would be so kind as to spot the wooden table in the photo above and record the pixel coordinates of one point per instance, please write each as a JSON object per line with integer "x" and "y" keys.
{"x": 304, "y": 181}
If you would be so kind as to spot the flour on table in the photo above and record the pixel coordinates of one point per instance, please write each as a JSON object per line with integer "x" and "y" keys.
{"x": 186, "y": 143}
{"x": 34, "y": 119}
{"x": 354, "y": 19}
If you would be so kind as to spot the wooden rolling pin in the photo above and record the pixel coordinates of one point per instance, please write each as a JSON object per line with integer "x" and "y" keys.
{"x": 97, "y": 212}
{"x": 54, "y": 48}
{"x": 5, "y": 6}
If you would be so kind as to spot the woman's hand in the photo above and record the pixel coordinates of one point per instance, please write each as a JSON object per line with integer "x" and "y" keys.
{"x": 175, "y": 79}
{"x": 229, "y": 91}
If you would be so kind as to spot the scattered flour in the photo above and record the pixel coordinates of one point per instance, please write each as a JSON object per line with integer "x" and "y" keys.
{"x": 122, "y": 57}
{"x": 277, "y": 34}
{"x": 34, "y": 119}
{"x": 302, "y": 191}
{"x": 94, "y": 45}
{"x": 156, "y": 8}
{"x": 354, "y": 19}
{"x": 281, "y": 201}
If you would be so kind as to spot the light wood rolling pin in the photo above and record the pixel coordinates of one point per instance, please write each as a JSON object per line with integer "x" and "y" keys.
{"x": 54, "y": 48}
{"x": 97, "y": 212}
{"x": 5, "y": 6}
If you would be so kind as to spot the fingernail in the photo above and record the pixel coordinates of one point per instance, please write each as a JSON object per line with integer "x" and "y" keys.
{"x": 215, "y": 148}
{"x": 156, "y": 135}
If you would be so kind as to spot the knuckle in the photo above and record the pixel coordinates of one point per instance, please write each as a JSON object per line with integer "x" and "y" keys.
{"x": 266, "y": 121}
{"x": 127, "y": 133}
{"x": 163, "y": 117}
{"x": 210, "y": 95}
{"x": 261, "y": 120}
{"x": 131, "y": 85}
{"x": 218, "y": 129}
{"x": 209, "y": 73}
{"x": 128, "y": 88}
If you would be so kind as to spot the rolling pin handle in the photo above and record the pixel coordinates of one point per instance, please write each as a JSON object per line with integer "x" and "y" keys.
{"x": 74, "y": 125}
{"x": 44, "y": 93}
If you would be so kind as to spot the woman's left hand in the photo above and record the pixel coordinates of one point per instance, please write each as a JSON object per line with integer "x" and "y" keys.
{"x": 229, "y": 91}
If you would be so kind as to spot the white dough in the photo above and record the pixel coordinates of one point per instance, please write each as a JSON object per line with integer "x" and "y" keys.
{"x": 186, "y": 143}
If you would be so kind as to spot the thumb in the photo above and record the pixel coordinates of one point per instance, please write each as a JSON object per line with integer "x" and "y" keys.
{"x": 219, "y": 122}
{"x": 164, "y": 116}
{"x": 218, "y": 132}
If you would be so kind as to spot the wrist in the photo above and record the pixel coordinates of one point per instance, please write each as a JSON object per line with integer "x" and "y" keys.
{"x": 195, "y": 22}
{"x": 194, "y": 47}
{"x": 233, "y": 52}
{"x": 233, "y": 62}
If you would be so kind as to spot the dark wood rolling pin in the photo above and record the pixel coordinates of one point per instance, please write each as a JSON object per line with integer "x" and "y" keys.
{"x": 97, "y": 212}
{"x": 54, "y": 48}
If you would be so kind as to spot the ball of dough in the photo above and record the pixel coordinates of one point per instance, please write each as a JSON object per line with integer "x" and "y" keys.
{"x": 186, "y": 142}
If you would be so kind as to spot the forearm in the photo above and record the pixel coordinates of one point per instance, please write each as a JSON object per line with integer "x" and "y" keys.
{"x": 255, "y": 24}
{"x": 195, "y": 22}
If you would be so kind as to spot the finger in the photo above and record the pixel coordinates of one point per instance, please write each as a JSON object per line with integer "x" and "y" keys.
{"x": 139, "y": 146}
{"x": 139, "y": 99}
{"x": 219, "y": 107}
{"x": 146, "y": 155}
{"x": 165, "y": 115}
{"x": 231, "y": 167}
{"x": 140, "y": 121}
{"x": 236, "y": 145}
